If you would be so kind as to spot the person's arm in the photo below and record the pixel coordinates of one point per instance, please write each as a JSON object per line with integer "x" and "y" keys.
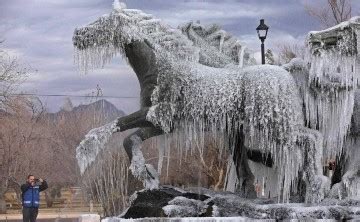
{"x": 43, "y": 185}
{"x": 24, "y": 187}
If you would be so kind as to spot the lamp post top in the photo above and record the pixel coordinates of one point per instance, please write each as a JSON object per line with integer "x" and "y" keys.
{"x": 262, "y": 31}
{"x": 262, "y": 25}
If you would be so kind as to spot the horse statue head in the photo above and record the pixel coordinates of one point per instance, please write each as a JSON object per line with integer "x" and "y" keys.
{"x": 98, "y": 42}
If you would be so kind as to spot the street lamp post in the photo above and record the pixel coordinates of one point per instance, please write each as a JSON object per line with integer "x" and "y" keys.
{"x": 262, "y": 31}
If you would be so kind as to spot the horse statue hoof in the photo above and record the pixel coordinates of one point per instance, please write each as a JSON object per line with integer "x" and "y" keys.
{"x": 319, "y": 188}
{"x": 351, "y": 181}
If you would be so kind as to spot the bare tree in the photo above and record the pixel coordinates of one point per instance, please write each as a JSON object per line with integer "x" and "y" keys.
{"x": 213, "y": 165}
{"x": 328, "y": 13}
{"x": 20, "y": 132}
{"x": 191, "y": 166}
{"x": 331, "y": 12}
{"x": 269, "y": 57}
{"x": 12, "y": 74}
{"x": 107, "y": 181}
{"x": 288, "y": 51}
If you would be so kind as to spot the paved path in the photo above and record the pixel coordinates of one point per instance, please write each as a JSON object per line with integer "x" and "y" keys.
{"x": 44, "y": 220}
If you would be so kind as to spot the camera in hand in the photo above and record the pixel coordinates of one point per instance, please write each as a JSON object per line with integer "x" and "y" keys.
{"x": 37, "y": 180}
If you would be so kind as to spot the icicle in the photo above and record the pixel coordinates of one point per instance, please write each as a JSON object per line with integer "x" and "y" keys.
{"x": 161, "y": 150}
{"x": 329, "y": 99}
{"x": 231, "y": 177}
{"x": 267, "y": 178}
{"x": 221, "y": 43}
{"x": 241, "y": 56}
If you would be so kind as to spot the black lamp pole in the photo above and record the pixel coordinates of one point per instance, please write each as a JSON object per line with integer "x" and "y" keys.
{"x": 262, "y": 31}
{"x": 262, "y": 51}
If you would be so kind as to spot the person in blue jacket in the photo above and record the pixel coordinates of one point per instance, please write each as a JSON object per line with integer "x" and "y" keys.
{"x": 31, "y": 197}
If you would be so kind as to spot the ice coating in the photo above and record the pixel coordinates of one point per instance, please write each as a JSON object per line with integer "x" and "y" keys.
{"x": 334, "y": 71}
{"x": 218, "y": 48}
{"x": 182, "y": 206}
{"x": 93, "y": 143}
{"x": 328, "y": 80}
{"x": 331, "y": 113}
{"x": 97, "y": 43}
{"x": 351, "y": 179}
{"x": 263, "y": 102}
{"x": 224, "y": 206}
{"x": 254, "y": 95}
{"x": 139, "y": 169}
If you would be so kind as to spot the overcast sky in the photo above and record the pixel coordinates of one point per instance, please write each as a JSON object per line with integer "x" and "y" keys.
{"x": 39, "y": 33}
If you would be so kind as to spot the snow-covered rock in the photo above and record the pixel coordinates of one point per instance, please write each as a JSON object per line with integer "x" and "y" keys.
{"x": 231, "y": 207}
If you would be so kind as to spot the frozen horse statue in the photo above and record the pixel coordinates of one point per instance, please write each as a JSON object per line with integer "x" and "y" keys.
{"x": 327, "y": 83}
{"x": 328, "y": 80}
{"x": 189, "y": 88}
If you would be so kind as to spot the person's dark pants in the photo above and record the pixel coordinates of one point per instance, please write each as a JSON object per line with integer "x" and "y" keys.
{"x": 30, "y": 214}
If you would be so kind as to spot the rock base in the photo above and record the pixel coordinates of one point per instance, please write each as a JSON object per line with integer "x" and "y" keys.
{"x": 174, "y": 202}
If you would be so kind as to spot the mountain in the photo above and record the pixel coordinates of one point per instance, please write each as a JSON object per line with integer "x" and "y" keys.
{"x": 68, "y": 127}
{"x": 101, "y": 109}
{"x": 101, "y": 105}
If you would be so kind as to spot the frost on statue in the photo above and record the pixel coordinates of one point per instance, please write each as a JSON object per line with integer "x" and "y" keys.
{"x": 328, "y": 80}
{"x": 198, "y": 81}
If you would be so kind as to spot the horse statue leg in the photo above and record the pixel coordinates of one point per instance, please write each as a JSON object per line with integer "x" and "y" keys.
{"x": 132, "y": 144}
{"x": 133, "y": 120}
{"x": 246, "y": 178}
{"x": 317, "y": 185}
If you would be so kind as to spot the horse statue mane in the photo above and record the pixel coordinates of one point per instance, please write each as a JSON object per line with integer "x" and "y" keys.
{"x": 99, "y": 38}
{"x": 192, "y": 81}
{"x": 218, "y": 48}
